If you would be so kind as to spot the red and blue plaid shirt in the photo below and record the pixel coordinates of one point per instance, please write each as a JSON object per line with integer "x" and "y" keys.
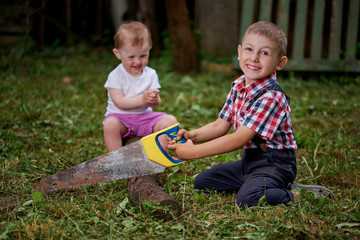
{"x": 269, "y": 116}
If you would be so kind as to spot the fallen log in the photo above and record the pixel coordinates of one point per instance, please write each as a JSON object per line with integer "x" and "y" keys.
{"x": 146, "y": 188}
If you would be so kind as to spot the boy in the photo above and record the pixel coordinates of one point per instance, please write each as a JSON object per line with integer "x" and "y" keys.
{"x": 262, "y": 126}
{"x": 133, "y": 89}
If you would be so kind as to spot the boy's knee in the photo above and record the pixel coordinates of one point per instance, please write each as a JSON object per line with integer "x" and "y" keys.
{"x": 248, "y": 197}
{"x": 198, "y": 183}
{"x": 204, "y": 183}
{"x": 246, "y": 201}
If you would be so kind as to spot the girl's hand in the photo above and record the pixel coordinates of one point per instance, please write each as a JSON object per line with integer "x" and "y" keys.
{"x": 151, "y": 97}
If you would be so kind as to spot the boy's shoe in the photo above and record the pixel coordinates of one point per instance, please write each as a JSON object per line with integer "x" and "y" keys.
{"x": 319, "y": 190}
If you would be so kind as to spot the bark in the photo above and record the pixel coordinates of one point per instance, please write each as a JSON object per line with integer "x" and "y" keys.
{"x": 181, "y": 38}
{"x": 146, "y": 188}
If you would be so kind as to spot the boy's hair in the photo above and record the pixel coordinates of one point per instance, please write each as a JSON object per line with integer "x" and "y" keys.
{"x": 272, "y": 31}
{"x": 134, "y": 32}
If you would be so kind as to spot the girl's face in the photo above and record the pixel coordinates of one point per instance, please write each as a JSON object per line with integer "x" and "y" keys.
{"x": 134, "y": 59}
{"x": 258, "y": 57}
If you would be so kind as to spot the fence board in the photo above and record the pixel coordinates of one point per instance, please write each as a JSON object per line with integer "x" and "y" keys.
{"x": 352, "y": 30}
{"x": 335, "y": 29}
{"x": 247, "y": 13}
{"x": 283, "y": 15}
{"x": 300, "y": 26}
{"x": 317, "y": 29}
{"x": 265, "y": 10}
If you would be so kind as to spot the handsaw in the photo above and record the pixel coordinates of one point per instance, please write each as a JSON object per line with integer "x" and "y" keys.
{"x": 144, "y": 157}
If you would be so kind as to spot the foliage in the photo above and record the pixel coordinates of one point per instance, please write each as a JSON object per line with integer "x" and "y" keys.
{"x": 50, "y": 122}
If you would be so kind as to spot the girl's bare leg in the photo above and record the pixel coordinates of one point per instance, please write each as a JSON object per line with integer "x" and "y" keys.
{"x": 113, "y": 130}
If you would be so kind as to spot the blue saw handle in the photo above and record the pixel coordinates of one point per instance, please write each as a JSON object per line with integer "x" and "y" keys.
{"x": 154, "y": 150}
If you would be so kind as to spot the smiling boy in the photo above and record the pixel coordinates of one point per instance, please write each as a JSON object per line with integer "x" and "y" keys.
{"x": 260, "y": 114}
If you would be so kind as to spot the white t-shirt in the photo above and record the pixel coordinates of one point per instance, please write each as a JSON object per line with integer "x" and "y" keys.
{"x": 131, "y": 86}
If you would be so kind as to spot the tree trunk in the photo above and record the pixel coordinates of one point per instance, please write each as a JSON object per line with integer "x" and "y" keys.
{"x": 181, "y": 38}
{"x": 152, "y": 12}
{"x": 146, "y": 188}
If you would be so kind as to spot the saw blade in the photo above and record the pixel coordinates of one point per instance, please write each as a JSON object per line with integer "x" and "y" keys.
{"x": 125, "y": 162}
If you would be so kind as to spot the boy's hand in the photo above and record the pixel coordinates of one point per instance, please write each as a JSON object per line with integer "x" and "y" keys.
{"x": 183, "y": 134}
{"x": 184, "y": 150}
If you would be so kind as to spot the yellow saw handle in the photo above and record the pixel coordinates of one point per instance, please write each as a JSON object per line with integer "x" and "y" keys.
{"x": 155, "y": 151}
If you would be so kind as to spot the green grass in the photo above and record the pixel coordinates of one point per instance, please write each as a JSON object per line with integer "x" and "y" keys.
{"x": 47, "y": 125}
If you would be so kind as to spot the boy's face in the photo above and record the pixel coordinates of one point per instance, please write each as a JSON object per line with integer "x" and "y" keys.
{"x": 134, "y": 59}
{"x": 258, "y": 57}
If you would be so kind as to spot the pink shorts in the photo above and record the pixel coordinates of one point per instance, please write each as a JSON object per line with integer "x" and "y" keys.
{"x": 138, "y": 124}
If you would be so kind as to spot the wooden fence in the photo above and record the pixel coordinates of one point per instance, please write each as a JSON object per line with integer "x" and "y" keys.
{"x": 323, "y": 35}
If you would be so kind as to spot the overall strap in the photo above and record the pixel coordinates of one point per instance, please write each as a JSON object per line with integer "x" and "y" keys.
{"x": 275, "y": 87}
{"x": 260, "y": 143}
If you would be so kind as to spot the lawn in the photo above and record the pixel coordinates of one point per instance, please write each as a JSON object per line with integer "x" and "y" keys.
{"x": 52, "y": 105}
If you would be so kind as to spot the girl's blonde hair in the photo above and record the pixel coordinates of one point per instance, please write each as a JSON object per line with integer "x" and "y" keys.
{"x": 271, "y": 31}
{"x": 134, "y": 32}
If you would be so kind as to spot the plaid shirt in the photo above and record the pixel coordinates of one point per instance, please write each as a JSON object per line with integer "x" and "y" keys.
{"x": 269, "y": 116}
